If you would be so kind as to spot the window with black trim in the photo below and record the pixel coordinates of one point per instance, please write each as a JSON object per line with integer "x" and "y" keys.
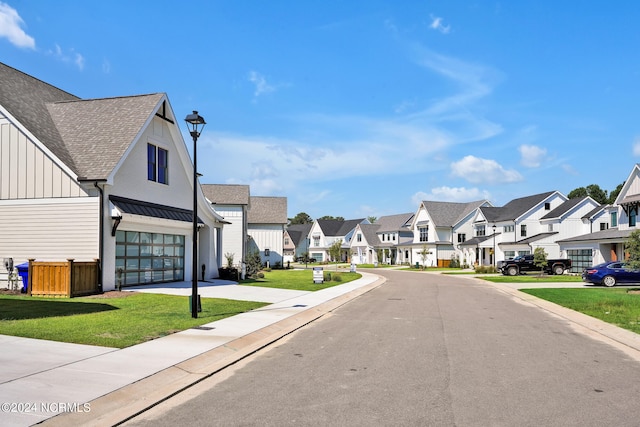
{"x": 523, "y": 230}
{"x": 157, "y": 164}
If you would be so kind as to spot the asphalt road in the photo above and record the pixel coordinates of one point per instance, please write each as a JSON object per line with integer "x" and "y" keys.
{"x": 421, "y": 350}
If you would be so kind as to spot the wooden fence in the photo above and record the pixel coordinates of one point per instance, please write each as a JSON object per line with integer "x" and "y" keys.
{"x": 63, "y": 279}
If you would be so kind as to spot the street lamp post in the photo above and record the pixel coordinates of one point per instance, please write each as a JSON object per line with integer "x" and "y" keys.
{"x": 195, "y": 123}
{"x": 494, "y": 245}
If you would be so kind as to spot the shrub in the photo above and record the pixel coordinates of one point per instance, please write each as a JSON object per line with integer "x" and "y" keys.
{"x": 229, "y": 257}
{"x": 336, "y": 277}
{"x": 327, "y": 276}
{"x": 485, "y": 269}
{"x": 455, "y": 261}
{"x": 253, "y": 263}
{"x": 260, "y": 275}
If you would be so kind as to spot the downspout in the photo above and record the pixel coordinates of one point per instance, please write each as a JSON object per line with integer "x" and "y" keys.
{"x": 100, "y": 237}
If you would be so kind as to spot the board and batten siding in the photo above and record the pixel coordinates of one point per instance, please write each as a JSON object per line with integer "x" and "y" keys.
{"x": 233, "y": 233}
{"x": 50, "y": 229}
{"x": 28, "y": 172}
{"x": 268, "y": 236}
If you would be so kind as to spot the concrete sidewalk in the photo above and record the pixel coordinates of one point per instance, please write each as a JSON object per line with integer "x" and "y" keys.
{"x": 63, "y": 384}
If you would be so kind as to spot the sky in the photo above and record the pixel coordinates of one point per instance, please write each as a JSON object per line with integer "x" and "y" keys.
{"x": 363, "y": 108}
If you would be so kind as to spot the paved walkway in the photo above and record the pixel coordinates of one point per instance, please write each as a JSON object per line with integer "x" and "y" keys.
{"x": 104, "y": 386}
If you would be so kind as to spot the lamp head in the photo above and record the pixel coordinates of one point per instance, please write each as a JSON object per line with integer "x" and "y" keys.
{"x": 196, "y": 123}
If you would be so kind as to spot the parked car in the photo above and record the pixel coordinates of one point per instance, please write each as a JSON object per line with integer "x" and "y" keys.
{"x": 610, "y": 273}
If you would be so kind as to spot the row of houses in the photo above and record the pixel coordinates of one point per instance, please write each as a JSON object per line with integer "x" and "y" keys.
{"x": 478, "y": 233}
{"x": 111, "y": 180}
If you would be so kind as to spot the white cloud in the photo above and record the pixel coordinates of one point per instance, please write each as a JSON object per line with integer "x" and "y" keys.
{"x": 477, "y": 170}
{"x": 636, "y": 148}
{"x": 569, "y": 169}
{"x": 532, "y": 155}
{"x": 70, "y": 56}
{"x": 10, "y": 23}
{"x": 436, "y": 24}
{"x": 260, "y": 83}
{"x": 450, "y": 194}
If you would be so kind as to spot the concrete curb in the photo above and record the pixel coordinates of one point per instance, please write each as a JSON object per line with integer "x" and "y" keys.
{"x": 125, "y": 403}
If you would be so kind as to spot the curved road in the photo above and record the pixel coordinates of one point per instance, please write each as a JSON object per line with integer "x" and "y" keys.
{"x": 421, "y": 350}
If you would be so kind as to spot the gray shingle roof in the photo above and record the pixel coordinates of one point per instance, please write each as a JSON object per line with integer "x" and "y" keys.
{"x": 25, "y": 98}
{"x": 267, "y": 210}
{"x": 89, "y": 136}
{"x": 226, "y": 194}
{"x": 391, "y": 223}
{"x": 448, "y": 214}
{"x": 98, "y": 132}
{"x": 334, "y": 227}
{"x": 610, "y": 234}
{"x": 298, "y": 232}
{"x": 514, "y": 209}
{"x": 370, "y": 233}
{"x": 564, "y": 208}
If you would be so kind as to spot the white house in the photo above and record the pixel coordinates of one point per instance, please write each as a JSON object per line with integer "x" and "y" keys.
{"x": 615, "y": 224}
{"x": 379, "y": 242}
{"x": 107, "y": 179}
{"x": 440, "y": 231}
{"x": 325, "y": 232}
{"x": 506, "y": 231}
{"x": 296, "y": 241}
{"x": 267, "y": 219}
{"x": 231, "y": 201}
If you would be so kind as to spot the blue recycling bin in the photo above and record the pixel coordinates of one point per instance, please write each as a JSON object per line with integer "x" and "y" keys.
{"x": 23, "y": 272}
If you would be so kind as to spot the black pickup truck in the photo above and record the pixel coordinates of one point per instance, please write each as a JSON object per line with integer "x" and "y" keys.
{"x": 524, "y": 263}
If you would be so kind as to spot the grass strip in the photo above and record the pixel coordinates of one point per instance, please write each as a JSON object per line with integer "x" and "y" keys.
{"x": 119, "y": 322}
{"x": 532, "y": 278}
{"x": 618, "y": 306}
{"x": 301, "y": 280}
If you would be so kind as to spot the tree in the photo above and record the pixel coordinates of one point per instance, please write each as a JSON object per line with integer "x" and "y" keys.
{"x": 597, "y": 194}
{"x": 332, "y": 218}
{"x": 301, "y": 218}
{"x": 540, "y": 258}
{"x": 335, "y": 250}
{"x": 593, "y": 190}
{"x": 577, "y": 193}
{"x": 423, "y": 255}
{"x": 614, "y": 194}
{"x": 372, "y": 219}
{"x": 632, "y": 249}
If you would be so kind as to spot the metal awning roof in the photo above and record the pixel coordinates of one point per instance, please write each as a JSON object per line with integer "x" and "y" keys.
{"x": 154, "y": 210}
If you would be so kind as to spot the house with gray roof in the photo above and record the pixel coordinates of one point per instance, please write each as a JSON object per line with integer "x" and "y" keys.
{"x": 266, "y": 222}
{"x": 296, "y": 241}
{"x": 378, "y": 242}
{"x": 105, "y": 179}
{"x": 231, "y": 201}
{"x": 439, "y": 229}
{"x": 606, "y": 241}
{"x": 326, "y": 232}
{"x": 510, "y": 230}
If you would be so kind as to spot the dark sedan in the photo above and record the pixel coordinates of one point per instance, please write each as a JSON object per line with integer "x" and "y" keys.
{"x": 610, "y": 274}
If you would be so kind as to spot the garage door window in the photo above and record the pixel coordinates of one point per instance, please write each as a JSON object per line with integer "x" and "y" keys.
{"x": 149, "y": 257}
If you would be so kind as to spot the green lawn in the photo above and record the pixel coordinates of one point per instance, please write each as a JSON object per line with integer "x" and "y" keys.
{"x": 111, "y": 322}
{"x": 532, "y": 278}
{"x": 301, "y": 280}
{"x": 619, "y": 306}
